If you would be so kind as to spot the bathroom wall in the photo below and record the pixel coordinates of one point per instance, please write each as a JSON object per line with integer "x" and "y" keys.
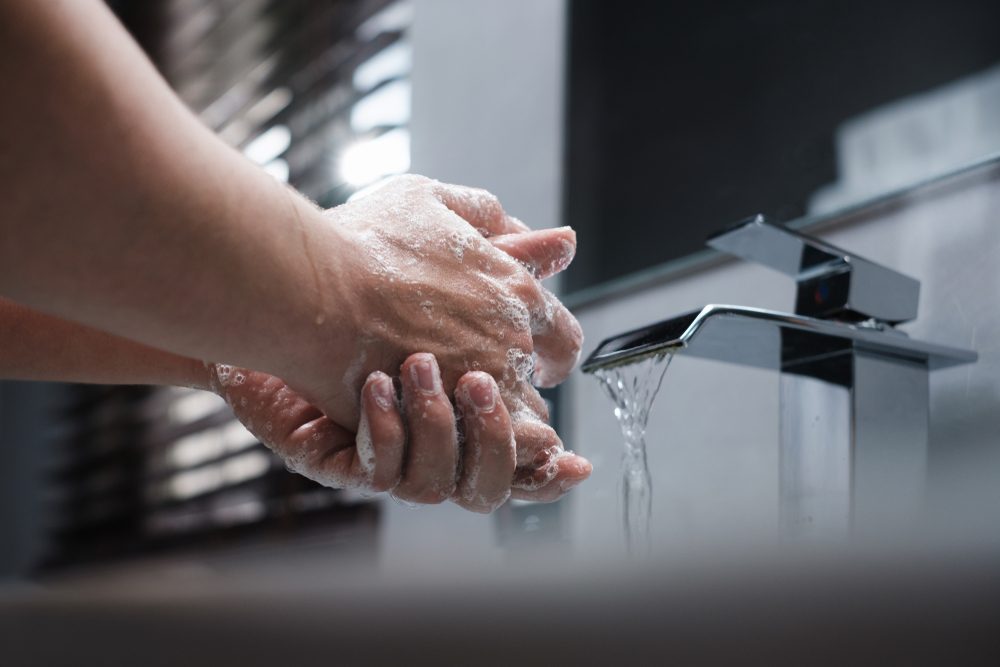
{"x": 713, "y": 434}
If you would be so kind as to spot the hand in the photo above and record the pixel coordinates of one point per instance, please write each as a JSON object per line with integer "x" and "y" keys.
{"x": 432, "y": 467}
{"x": 416, "y": 272}
{"x": 442, "y": 268}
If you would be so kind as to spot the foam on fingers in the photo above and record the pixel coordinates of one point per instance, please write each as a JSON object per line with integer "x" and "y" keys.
{"x": 476, "y": 206}
{"x": 558, "y": 345}
{"x": 565, "y": 471}
{"x": 380, "y": 453}
{"x": 431, "y": 460}
{"x": 544, "y": 252}
{"x": 489, "y": 456}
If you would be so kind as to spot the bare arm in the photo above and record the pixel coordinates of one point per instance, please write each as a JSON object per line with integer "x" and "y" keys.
{"x": 120, "y": 210}
{"x": 36, "y": 346}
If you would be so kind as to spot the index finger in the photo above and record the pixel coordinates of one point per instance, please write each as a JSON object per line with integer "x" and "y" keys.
{"x": 544, "y": 252}
{"x": 479, "y": 208}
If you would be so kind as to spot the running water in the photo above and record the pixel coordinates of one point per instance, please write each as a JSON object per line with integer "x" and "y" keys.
{"x": 633, "y": 387}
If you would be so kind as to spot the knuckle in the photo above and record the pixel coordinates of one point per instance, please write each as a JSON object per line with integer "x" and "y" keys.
{"x": 410, "y": 179}
{"x": 525, "y": 286}
{"x": 521, "y": 340}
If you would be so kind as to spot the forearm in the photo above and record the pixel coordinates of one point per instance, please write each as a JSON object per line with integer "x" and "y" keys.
{"x": 123, "y": 212}
{"x": 35, "y": 346}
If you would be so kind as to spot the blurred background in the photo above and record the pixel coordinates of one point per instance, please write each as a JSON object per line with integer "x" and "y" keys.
{"x": 645, "y": 125}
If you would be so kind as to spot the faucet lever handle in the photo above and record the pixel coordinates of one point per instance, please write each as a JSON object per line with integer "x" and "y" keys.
{"x": 832, "y": 283}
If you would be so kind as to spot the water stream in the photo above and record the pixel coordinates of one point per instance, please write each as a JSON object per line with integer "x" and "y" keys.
{"x": 632, "y": 388}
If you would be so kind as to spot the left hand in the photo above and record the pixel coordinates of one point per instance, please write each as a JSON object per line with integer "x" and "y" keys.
{"x": 430, "y": 468}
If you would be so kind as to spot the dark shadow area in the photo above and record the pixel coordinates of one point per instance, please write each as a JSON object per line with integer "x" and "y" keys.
{"x": 683, "y": 117}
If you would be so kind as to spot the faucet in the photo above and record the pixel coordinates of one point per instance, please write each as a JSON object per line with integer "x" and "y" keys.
{"x": 854, "y": 395}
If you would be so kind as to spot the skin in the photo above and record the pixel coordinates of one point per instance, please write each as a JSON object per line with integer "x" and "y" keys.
{"x": 477, "y": 475}
{"x": 149, "y": 244}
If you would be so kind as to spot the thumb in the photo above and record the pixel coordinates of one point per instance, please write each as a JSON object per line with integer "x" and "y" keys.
{"x": 545, "y": 251}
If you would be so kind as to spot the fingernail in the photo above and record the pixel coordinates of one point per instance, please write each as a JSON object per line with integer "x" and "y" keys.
{"x": 481, "y": 392}
{"x": 383, "y": 393}
{"x": 425, "y": 375}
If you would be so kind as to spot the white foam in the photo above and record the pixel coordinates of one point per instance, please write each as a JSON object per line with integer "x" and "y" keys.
{"x": 222, "y": 373}
{"x": 459, "y": 241}
{"x": 472, "y": 470}
{"x": 513, "y": 312}
{"x": 520, "y": 366}
{"x": 366, "y": 449}
{"x": 532, "y": 484}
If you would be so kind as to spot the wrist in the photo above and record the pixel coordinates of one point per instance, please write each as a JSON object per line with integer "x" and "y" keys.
{"x": 323, "y": 328}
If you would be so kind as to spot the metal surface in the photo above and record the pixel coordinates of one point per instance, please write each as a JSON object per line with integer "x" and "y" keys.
{"x": 854, "y": 395}
{"x": 832, "y": 282}
{"x": 853, "y": 458}
{"x": 814, "y": 458}
{"x": 766, "y": 339}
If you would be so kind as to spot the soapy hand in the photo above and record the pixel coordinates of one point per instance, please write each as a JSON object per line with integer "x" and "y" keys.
{"x": 420, "y": 266}
{"x": 442, "y": 269}
{"x": 422, "y": 274}
{"x": 409, "y": 447}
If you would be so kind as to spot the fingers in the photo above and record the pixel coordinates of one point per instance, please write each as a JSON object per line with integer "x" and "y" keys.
{"x": 312, "y": 444}
{"x": 545, "y": 471}
{"x": 375, "y": 460}
{"x": 558, "y": 338}
{"x": 550, "y": 483}
{"x": 558, "y": 341}
{"x": 381, "y": 437}
{"x": 265, "y": 405}
{"x": 479, "y": 208}
{"x": 431, "y": 461}
{"x": 543, "y": 252}
{"x": 537, "y": 443}
{"x": 489, "y": 455}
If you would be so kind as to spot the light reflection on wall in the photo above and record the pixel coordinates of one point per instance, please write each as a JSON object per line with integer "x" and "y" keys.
{"x": 368, "y": 161}
{"x": 365, "y": 137}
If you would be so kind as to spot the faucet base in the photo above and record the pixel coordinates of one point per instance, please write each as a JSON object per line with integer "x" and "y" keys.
{"x": 853, "y": 456}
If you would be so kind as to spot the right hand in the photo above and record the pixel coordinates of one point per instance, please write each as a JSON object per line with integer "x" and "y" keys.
{"x": 429, "y": 267}
{"x": 418, "y": 273}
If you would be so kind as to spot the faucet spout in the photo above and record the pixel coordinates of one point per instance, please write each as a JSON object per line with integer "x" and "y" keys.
{"x": 765, "y": 339}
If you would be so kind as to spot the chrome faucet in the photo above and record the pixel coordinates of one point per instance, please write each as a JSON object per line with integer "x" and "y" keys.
{"x": 854, "y": 397}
